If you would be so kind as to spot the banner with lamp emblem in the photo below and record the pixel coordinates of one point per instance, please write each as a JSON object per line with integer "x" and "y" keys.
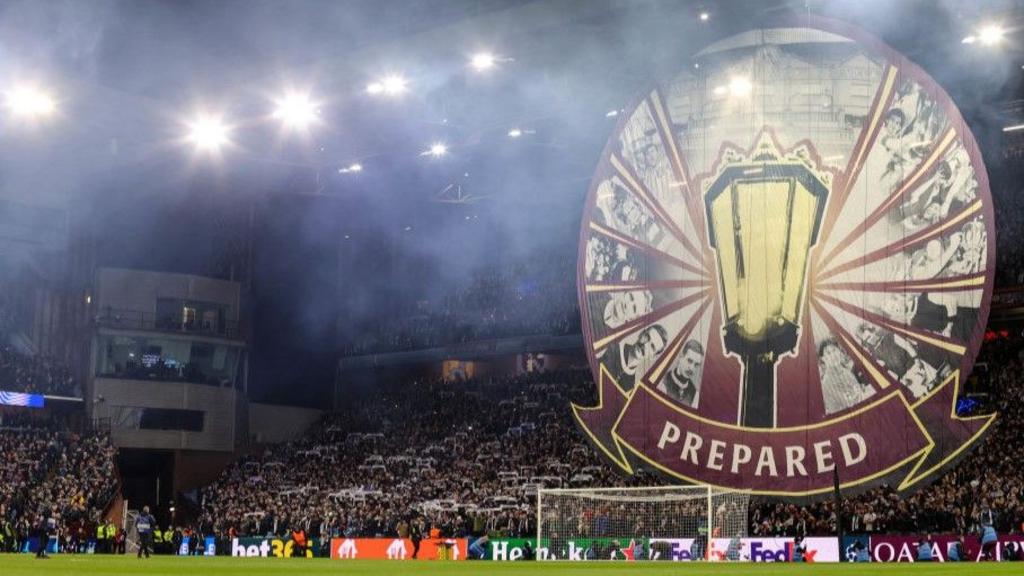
{"x": 786, "y": 263}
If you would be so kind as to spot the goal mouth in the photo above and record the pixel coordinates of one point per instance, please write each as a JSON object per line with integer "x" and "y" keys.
{"x": 641, "y": 523}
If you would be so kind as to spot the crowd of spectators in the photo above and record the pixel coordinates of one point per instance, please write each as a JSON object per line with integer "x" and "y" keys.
{"x": 495, "y": 302}
{"x": 35, "y": 374}
{"x": 990, "y": 478}
{"x": 48, "y": 471}
{"x": 469, "y": 456}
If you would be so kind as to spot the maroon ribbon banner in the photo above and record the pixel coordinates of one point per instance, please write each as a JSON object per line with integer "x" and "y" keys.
{"x": 889, "y": 437}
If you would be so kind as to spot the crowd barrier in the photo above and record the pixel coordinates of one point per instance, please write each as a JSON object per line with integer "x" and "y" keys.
{"x": 209, "y": 546}
{"x": 879, "y": 548}
{"x": 904, "y": 548}
{"x": 271, "y": 547}
{"x": 658, "y": 549}
{"x": 32, "y": 545}
{"x": 398, "y": 549}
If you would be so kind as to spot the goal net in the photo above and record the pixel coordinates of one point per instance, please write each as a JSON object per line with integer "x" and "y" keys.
{"x": 131, "y": 537}
{"x": 658, "y": 523}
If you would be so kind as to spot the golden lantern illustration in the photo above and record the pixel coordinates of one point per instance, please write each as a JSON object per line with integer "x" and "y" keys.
{"x": 763, "y": 218}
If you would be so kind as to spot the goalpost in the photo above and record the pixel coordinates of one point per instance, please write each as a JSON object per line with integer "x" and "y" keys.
{"x": 656, "y": 523}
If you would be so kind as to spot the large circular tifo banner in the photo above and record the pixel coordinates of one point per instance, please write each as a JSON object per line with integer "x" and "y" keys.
{"x": 785, "y": 270}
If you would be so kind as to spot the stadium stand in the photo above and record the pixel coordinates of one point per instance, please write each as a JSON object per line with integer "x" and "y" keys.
{"x": 471, "y": 463}
{"x": 35, "y": 374}
{"x": 25, "y": 373}
{"x": 797, "y": 222}
{"x": 469, "y": 456}
{"x": 47, "y": 469}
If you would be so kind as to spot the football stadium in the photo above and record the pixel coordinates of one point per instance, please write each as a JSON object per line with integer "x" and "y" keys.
{"x": 704, "y": 287}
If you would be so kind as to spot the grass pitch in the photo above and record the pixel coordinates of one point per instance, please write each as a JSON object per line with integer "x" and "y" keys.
{"x": 26, "y": 565}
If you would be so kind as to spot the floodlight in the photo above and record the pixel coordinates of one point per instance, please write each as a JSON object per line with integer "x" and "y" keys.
{"x": 391, "y": 85}
{"x": 208, "y": 133}
{"x": 740, "y": 86}
{"x": 296, "y": 111}
{"x": 482, "y": 61}
{"x": 437, "y": 149}
{"x": 991, "y": 34}
{"x": 30, "y": 102}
